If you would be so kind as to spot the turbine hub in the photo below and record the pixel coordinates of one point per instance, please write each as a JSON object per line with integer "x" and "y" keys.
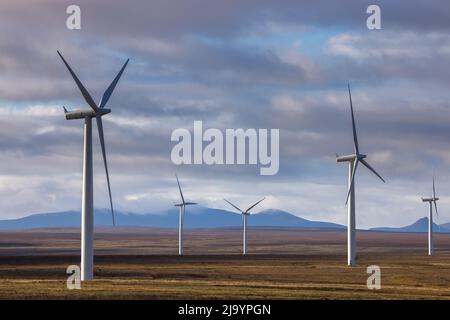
{"x": 361, "y": 156}
{"x": 103, "y": 111}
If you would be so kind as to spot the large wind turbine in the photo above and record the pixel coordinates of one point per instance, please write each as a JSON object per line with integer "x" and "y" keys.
{"x": 353, "y": 160}
{"x": 182, "y": 205}
{"x": 87, "y": 207}
{"x": 244, "y": 213}
{"x": 431, "y": 200}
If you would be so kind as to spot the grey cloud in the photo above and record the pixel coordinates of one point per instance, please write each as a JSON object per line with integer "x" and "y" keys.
{"x": 189, "y": 62}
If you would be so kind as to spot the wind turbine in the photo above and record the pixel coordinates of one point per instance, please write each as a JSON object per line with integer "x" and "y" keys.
{"x": 182, "y": 205}
{"x": 244, "y": 213}
{"x": 353, "y": 160}
{"x": 431, "y": 200}
{"x": 87, "y": 207}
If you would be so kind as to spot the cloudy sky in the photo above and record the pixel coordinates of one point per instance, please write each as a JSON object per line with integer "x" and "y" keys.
{"x": 232, "y": 64}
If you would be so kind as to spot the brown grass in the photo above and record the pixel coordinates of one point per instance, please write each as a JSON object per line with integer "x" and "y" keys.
{"x": 282, "y": 264}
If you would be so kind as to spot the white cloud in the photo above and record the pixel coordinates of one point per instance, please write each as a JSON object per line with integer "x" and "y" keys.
{"x": 389, "y": 44}
{"x": 39, "y": 111}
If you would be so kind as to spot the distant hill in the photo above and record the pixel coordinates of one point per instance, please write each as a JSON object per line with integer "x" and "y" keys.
{"x": 196, "y": 217}
{"x": 420, "y": 225}
{"x": 279, "y": 218}
{"x": 446, "y": 225}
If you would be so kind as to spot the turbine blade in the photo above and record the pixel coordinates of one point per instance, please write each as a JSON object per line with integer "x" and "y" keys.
{"x": 83, "y": 90}
{"x": 435, "y": 207}
{"x": 434, "y": 199}
{"x": 434, "y": 189}
{"x": 181, "y": 192}
{"x": 111, "y": 87}
{"x": 437, "y": 215}
{"x": 355, "y": 137}
{"x": 102, "y": 143}
{"x": 234, "y": 206}
{"x": 246, "y": 211}
{"x": 353, "y": 178}
{"x": 364, "y": 162}
{"x": 65, "y": 110}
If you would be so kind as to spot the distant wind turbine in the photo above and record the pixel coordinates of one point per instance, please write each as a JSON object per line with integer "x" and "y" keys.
{"x": 431, "y": 201}
{"x": 182, "y": 205}
{"x": 353, "y": 160}
{"x": 87, "y": 210}
{"x": 244, "y": 213}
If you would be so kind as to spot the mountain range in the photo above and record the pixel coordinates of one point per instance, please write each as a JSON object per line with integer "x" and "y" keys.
{"x": 196, "y": 217}
{"x": 420, "y": 225}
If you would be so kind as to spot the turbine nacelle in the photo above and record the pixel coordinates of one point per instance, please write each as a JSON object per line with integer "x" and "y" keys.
{"x": 429, "y": 199}
{"x": 185, "y": 204}
{"x": 350, "y": 157}
{"x": 85, "y": 113}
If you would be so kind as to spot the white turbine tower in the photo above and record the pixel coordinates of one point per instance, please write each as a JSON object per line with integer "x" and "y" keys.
{"x": 431, "y": 200}
{"x": 244, "y": 213}
{"x": 87, "y": 207}
{"x": 182, "y": 205}
{"x": 353, "y": 160}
